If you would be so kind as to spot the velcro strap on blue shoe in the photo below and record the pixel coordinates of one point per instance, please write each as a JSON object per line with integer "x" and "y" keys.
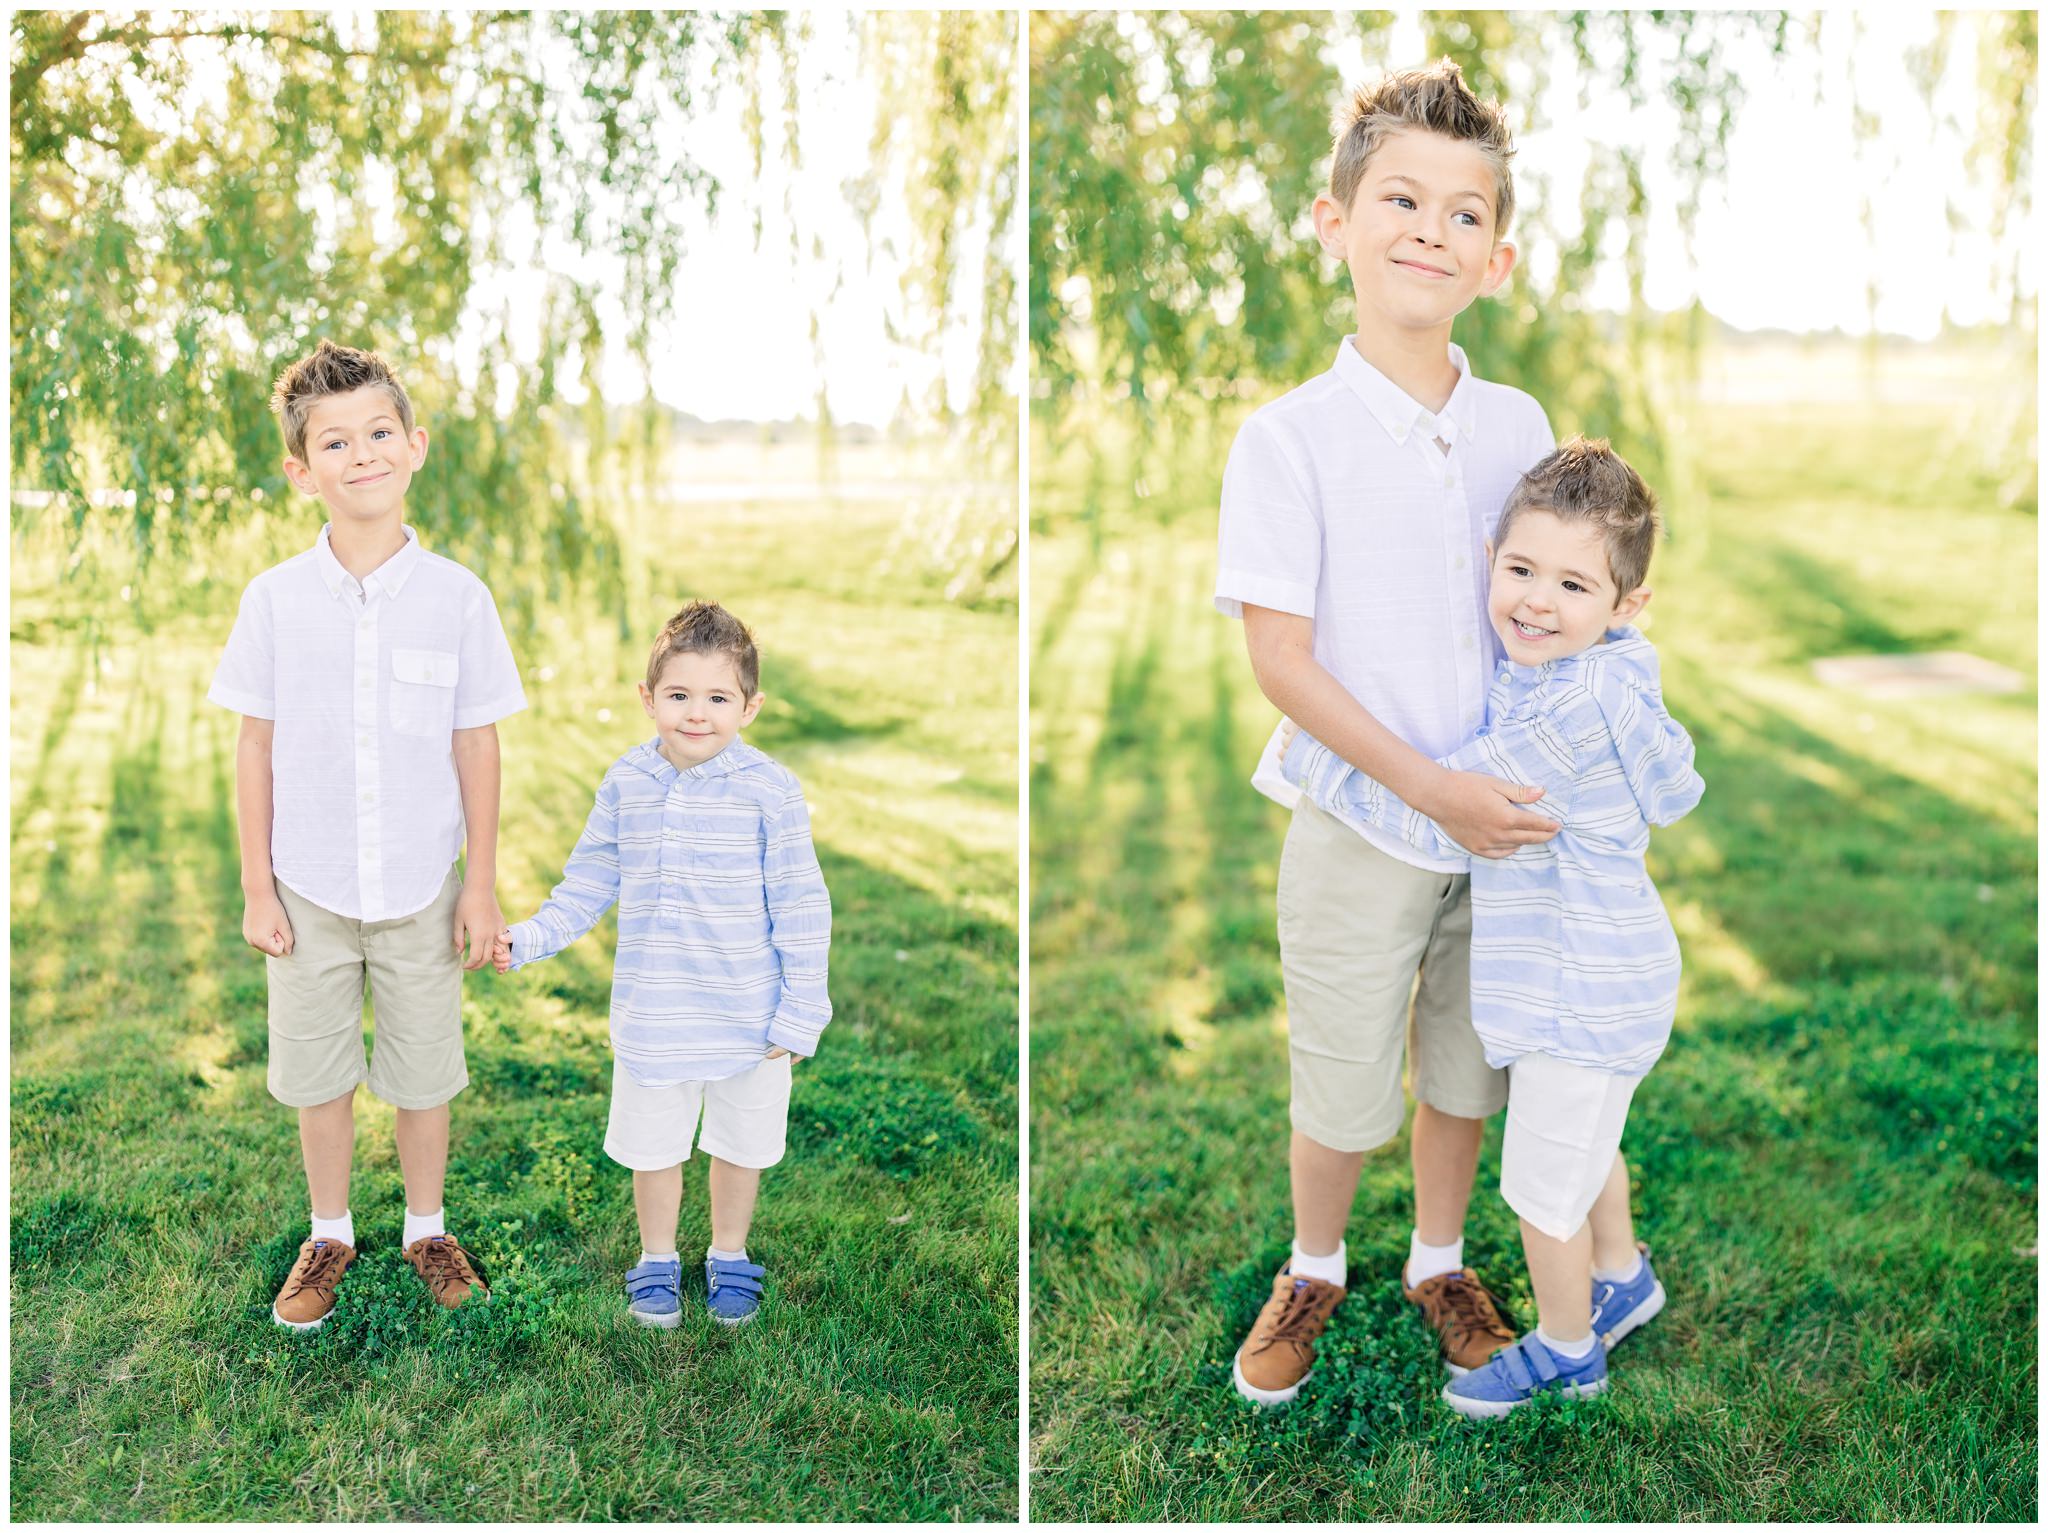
{"x": 640, "y": 1284}
{"x": 742, "y": 1276}
{"x": 1516, "y": 1366}
{"x": 1539, "y": 1358}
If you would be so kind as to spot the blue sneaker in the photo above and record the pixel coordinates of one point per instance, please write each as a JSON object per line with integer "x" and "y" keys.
{"x": 654, "y": 1293}
{"x": 1517, "y": 1374}
{"x": 732, "y": 1290}
{"x": 1619, "y": 1308}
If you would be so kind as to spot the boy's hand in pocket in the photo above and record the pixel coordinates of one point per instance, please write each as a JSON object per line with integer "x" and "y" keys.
{"x": 776, "y": 1053}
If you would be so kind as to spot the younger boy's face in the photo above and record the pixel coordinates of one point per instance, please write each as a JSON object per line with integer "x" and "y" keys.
{"x": 359, "y": 459}
{"x": 1552, "y": 593}
{"x": 1419, "y": 235}
{"x": 698, "y": 706}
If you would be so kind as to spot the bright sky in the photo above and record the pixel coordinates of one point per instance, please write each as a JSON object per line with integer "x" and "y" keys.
{"x": 1780, "y": 240}
{"x": 739, "y": 345}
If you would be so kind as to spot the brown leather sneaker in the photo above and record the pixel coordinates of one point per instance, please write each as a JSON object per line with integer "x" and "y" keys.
{"x": 1465, "y": 1317}
{"x": 308, "y": 1293}
{"x": 446, "y": 1268}
{"x": 1281, "y": 1349}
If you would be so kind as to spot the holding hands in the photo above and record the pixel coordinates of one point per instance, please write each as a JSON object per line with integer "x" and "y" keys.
{"x": 501, "y": 951}
{"x": 476, "y": 917}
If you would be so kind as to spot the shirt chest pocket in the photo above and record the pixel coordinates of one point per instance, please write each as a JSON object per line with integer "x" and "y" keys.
{"x": 423, "y": 691}
{"x": 717, "y": 857}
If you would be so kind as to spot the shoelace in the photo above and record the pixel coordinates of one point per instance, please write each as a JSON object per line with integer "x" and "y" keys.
{"x": 1296, "y": 1318}
{"x": 441, "y": 1262}
{"x": 1472, "y": 1313}
{"x": 323, "y": 1270}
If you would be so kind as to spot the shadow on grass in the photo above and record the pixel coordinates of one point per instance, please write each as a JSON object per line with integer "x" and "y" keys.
{"x": 36, "y": 796}
{"x": 129, "y": 1159}
{"x": 1807, "y": 1118}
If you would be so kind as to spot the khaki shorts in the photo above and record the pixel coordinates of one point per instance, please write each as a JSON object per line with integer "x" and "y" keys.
{"x": 316, "y": 1005}
{"x": 1355, "y": 927}
{"x": 746, "y": 1118}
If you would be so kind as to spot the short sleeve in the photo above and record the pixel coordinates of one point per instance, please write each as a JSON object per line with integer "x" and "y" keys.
{"x": 1542, "y": 440}
{"x": 1270, "y": 536}
{"x": 246, "y": 678}
{"x": 487, "y": 685}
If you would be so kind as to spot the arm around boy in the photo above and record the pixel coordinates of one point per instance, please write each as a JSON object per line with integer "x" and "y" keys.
{"x": 1354, "y": 518}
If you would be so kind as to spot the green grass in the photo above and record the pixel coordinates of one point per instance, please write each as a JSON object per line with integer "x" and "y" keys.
{"x": 1835, "y": 1159}
{"x": 157, "y": 1197}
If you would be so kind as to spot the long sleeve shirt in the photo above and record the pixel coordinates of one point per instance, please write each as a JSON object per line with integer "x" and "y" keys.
{"x": 724, "y": 921}
{"x": 1572, "y": 952}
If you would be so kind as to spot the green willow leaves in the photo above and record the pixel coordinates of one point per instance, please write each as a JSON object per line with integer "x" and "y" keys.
{"x": 197, "y": 195}
{"x": 1175, "y": 156}
{"x": 1174, "y": 160}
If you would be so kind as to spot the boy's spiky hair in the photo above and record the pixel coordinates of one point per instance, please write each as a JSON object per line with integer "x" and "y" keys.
{"x": 330, "y": 370}
{"x": 1589, "y": 482}
{"x": 705, "y": 628}
{"x": 1436, "y": 100}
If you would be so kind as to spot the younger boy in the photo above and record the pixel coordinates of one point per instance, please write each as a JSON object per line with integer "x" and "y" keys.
{"x": 1355, "y": 512}
{"x": 370, "y": 676}
{"x": 1574, "y": 963}
{"x": 724, "y": 922}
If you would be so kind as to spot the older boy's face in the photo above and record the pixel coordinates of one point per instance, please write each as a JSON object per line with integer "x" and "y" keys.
{"x": 1419, "y": 234}
{"x": 1552, "y": 594}
{"x": 359, "y": 457}
{"x": 698, "y": 706}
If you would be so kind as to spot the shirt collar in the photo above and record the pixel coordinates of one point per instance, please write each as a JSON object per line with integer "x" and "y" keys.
{"x": 391, "y": 575}
{"x": 1400, "y": 412}
{"x": 731, "y": 759}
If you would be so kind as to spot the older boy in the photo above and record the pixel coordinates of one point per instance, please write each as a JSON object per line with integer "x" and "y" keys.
{"x": 1355, "y": 512}
{"x": 1575, "y": 966}
{"x": 370, "y": 675}
{"x": 724, "y": 925}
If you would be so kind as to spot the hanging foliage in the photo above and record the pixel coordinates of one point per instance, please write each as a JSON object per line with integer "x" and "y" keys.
{"x": 957, "y": 160}
{"x": 197, "y": 196}
{"x": 1175, "y": 158}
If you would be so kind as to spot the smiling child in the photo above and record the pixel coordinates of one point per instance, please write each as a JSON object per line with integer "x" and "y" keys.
{"x": 1575, "y": 966}
{"x": 724, "y": 923}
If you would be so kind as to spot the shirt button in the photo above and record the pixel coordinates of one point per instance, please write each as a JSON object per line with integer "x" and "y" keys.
{"x": 1458, "y": 563}
{"x": 1468, "y": 643}
{"x": 369, "y": 798}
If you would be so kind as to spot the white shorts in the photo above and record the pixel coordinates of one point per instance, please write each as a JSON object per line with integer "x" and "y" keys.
{"x": 1564, "y": 1130}
{"x": 746, "y": 1118}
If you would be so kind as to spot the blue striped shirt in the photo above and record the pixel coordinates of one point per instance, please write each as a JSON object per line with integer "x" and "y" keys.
{"x": 723, "y": 916}
{"x": 1572, "y": 953}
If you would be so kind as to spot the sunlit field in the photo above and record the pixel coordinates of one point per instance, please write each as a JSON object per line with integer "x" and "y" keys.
{"x": 1835, "y": 1160}
{"x": 157, "y": 1194}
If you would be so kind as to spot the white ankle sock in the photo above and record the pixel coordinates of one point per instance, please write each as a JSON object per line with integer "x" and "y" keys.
{"x": 1626, "y": 1274}
{"x": 726, "y": 1256}
{"x": 1574, "y": 1350}
{"x": 342, "y": 1229}
{"x": 656, "y": 1256}
{"x": 1324, "y": 1269}
{"x": 420, "y": 1226}
{"x": 1426, "y": 1262}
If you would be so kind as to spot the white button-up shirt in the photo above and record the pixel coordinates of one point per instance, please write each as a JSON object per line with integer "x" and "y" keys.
{"x": 1340, "y": 506}
{"x": 367, "y": 682}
